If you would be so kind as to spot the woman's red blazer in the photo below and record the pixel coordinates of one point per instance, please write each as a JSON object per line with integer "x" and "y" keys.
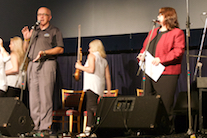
{"x": 169, "y": 49}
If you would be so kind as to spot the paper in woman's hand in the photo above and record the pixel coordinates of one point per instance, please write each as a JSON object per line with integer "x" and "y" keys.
{"x": 151, "y": 70}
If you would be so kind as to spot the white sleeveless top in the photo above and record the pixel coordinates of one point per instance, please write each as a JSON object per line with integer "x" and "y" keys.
{"x": 11, "y": 79}
{"x": 96, "y": 81}
{"x": 3, "y": 82}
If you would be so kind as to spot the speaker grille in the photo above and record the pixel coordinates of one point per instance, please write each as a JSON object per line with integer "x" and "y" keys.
{"x": 14, "y": 117}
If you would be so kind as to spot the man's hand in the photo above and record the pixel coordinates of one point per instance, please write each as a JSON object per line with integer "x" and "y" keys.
{"x": 26, "y": 33}
{"x": 40, "y": 54}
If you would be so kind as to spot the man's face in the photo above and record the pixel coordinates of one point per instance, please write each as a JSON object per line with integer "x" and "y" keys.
{"x": 44, "y": 16}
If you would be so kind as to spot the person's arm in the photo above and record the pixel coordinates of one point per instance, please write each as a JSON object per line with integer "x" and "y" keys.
{"x": 4, "y": 52}
{"x": 15, "y": 67}
{"x": 177, "y": 39}
{"x": 54, "y": 51}
{"x": 91, "y": 64}
{"x": 25, "y": 45}
{"x": 27, "y": 35}
{"x": 108, "y": 79}
{"x": 2, "y": 49}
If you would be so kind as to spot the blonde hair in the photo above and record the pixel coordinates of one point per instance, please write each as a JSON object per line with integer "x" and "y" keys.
{"x": 97, "y": 45}
{"x": 18, "y": 49}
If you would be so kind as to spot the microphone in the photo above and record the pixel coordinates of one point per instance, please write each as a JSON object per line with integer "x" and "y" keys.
{"x": 204, "y": 13}
{"x": 155, "y": 21}
{"x": 36, "y": 24}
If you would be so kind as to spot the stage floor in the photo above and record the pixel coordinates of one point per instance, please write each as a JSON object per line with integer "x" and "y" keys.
{"x": 182, "y": 135}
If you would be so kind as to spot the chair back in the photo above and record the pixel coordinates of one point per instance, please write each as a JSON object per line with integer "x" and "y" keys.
{"x": 113, "y": 93}
{"x": 72, "y": 99}
{"x": 140, "y": 92}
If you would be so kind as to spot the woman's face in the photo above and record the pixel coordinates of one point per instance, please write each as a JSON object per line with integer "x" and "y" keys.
{"x": 11, "y": 46}
{"x": 89, "y": 49}
{"x": 161, "y": 18}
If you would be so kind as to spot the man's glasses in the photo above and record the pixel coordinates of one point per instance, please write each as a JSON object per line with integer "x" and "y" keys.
{"x": 42, "y": 14}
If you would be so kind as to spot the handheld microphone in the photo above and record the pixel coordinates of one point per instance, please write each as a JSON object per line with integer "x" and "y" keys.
{"x": 36, "y": 24}
{"x": 204, "y": 13}
{"x": 155, "y": 21}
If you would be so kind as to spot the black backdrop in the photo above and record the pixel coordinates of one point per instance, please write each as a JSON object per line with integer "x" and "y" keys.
{"x": 123, "y": 69}
{"x": 121, "y": 56}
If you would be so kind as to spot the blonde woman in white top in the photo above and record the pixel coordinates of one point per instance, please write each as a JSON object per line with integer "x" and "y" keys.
{"x": 12, "y": 66}
{"x": 3, "y": 59}
{"x": 96, "y": 73}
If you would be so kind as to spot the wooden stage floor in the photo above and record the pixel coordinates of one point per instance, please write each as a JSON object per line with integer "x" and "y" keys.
{"x": 181, "y": 135}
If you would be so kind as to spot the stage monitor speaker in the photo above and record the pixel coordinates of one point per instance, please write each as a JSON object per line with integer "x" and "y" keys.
{"x": 14, "y": 117}
{"x": 131, "y": 115}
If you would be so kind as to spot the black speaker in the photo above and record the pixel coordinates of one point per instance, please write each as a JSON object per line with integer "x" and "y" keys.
{"x": 14, "y": 117}
{"x": 131, "y": 115}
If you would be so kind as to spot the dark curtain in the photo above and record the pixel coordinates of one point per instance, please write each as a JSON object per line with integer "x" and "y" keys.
{"x": 123, "y": 69}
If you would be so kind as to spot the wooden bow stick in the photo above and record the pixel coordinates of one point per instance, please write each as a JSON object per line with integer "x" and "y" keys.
{"x": 79, "y": 54}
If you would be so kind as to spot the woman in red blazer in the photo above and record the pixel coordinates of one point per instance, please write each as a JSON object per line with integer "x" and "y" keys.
{"x": 167, "y": 45}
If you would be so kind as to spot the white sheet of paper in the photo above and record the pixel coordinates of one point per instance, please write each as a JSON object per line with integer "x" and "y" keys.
{"x": 152, "y": 71}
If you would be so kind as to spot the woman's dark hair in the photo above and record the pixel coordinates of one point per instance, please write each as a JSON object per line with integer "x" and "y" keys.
{"x": 171, "y": 20}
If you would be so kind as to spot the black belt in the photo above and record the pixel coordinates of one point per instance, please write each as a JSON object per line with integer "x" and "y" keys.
{"x": 40, "y": 60}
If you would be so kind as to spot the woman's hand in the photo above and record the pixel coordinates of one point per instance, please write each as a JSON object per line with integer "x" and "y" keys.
{"x": 2, "y": 49}
{"x": 78, "y": 64}
{"x": 109, "y": 94}
{"x": 1, "y": 42}
{"x": 140, "y": 57}
{"x": 156, "y": 61}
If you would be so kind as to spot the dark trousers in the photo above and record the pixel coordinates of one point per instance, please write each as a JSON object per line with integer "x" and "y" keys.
{"x": 91, "y": 106}
{"x": 13, "y": 92}
{"x": 2, "y": 93}
{"x": 165, "y": 87}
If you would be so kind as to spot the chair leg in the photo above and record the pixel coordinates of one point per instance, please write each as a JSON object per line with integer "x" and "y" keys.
{"x": 195, "y": 123}
{"x": 84, "y": 123}
{"x": 71, "y": 124}
{"x": 63, "y": 124}
{"x": 78, "y": 124}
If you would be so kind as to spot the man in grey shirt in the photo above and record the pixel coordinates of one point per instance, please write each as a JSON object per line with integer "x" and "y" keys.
{"x": 46, "y": 43}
